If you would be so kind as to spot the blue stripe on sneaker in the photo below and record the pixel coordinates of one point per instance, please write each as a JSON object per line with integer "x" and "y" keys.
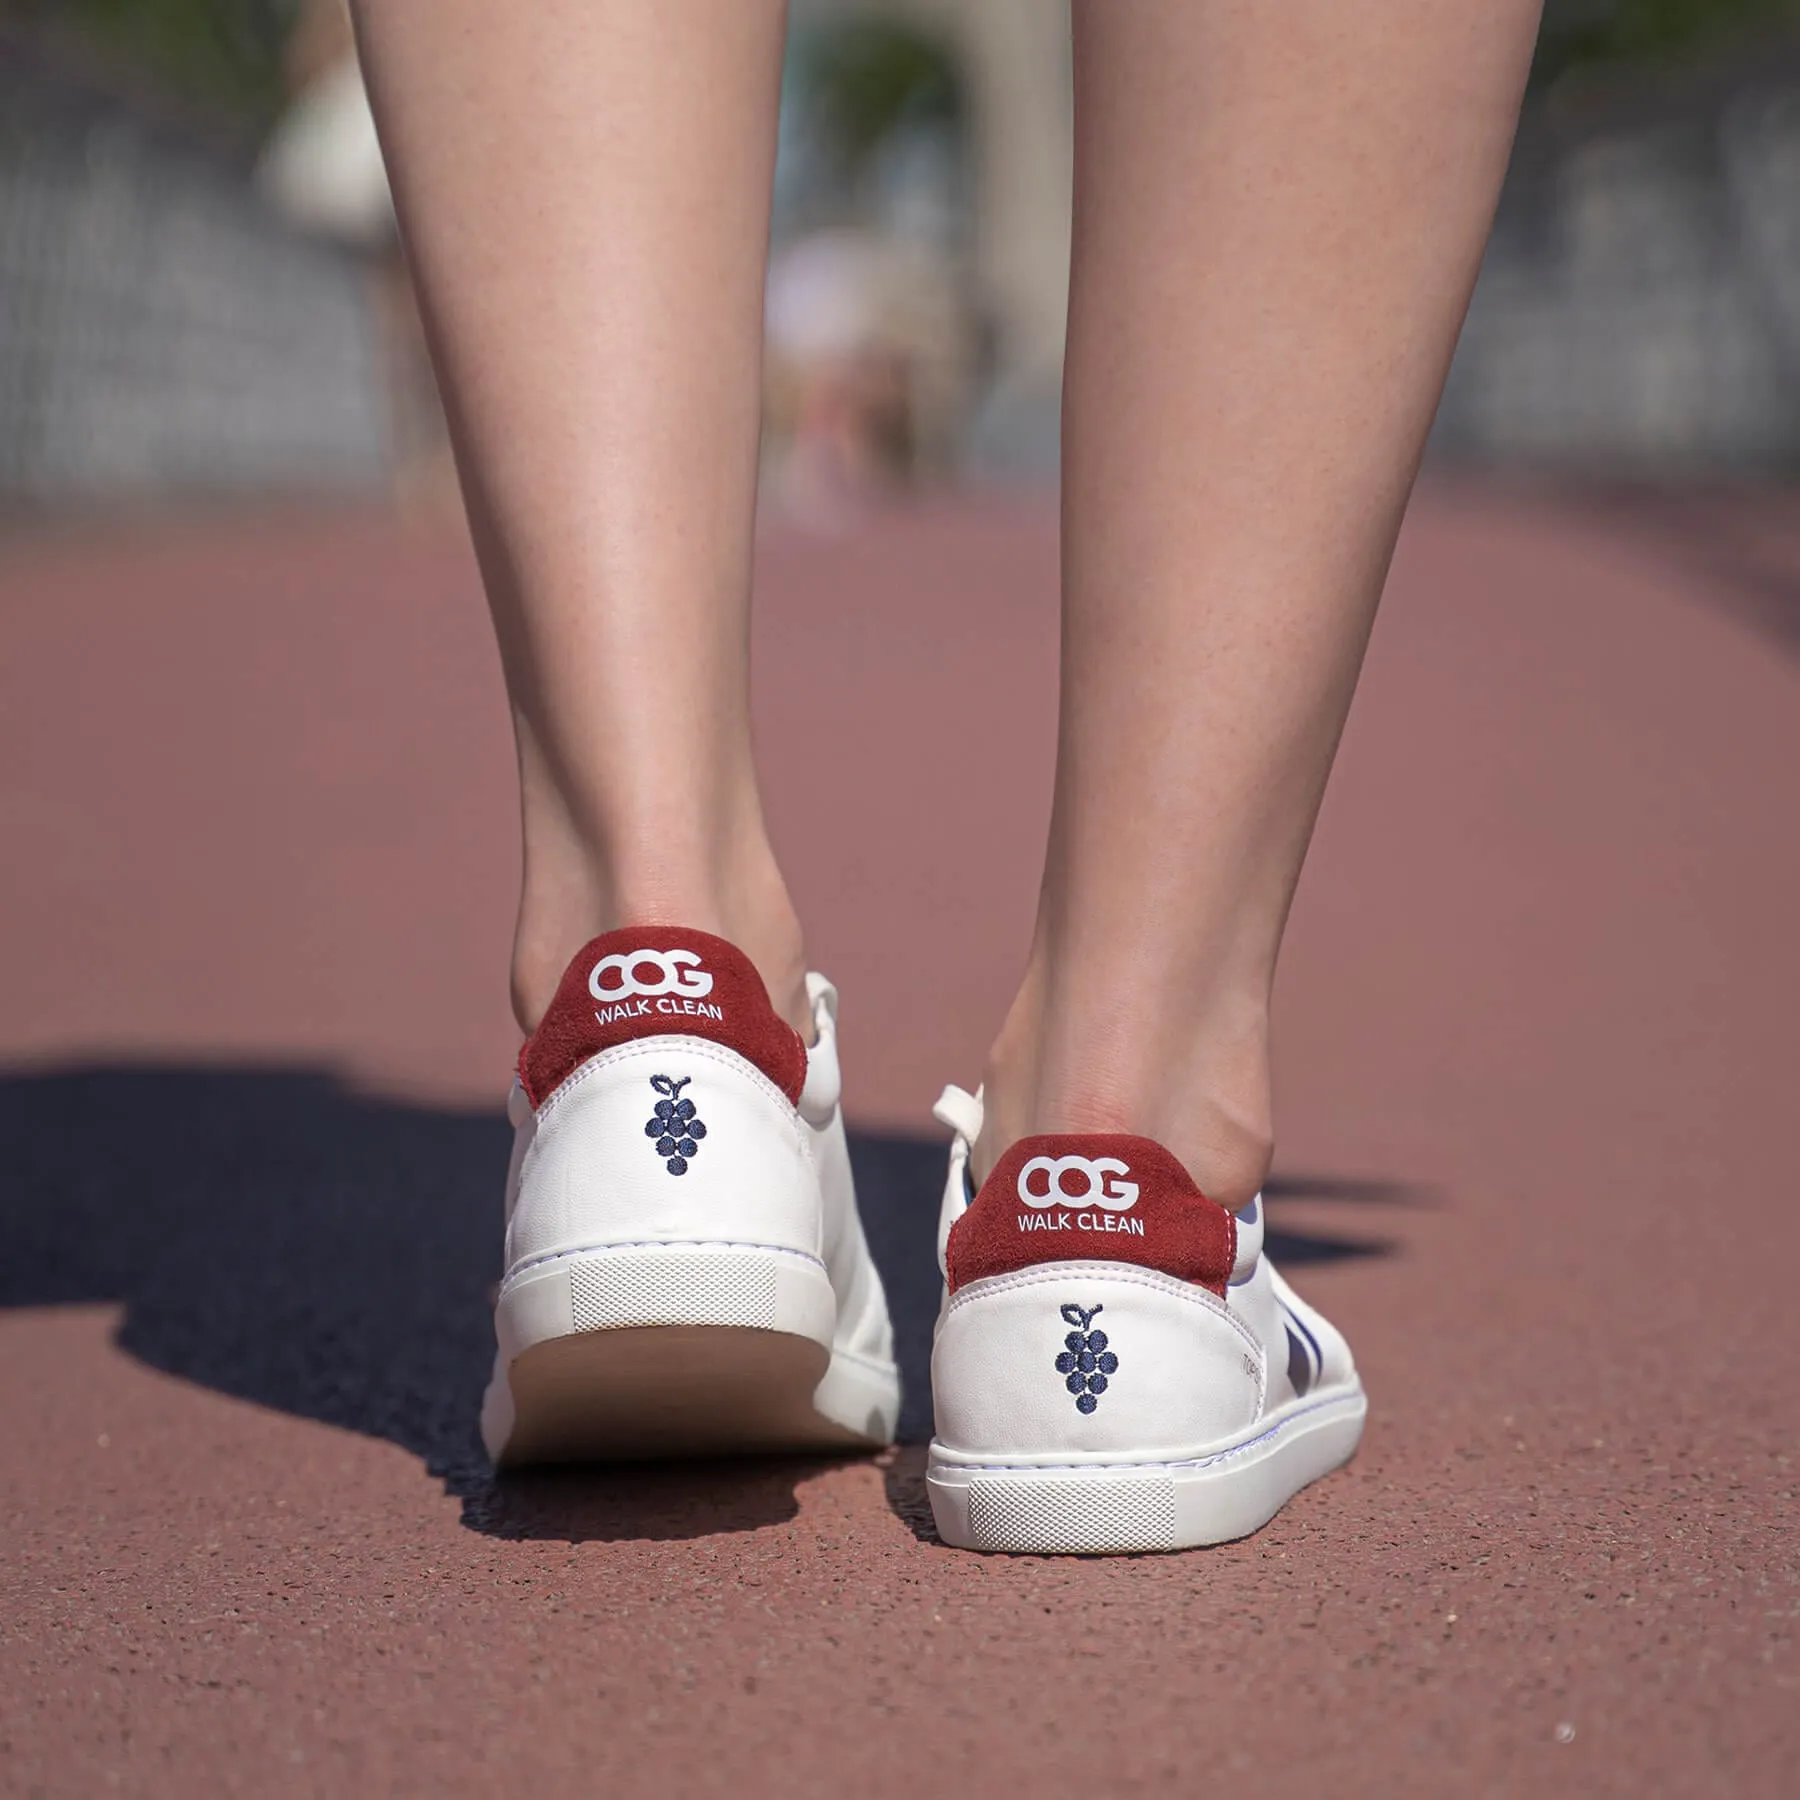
{"x": 1296, "y": 1323}
{"x": 1299, "y": 1365}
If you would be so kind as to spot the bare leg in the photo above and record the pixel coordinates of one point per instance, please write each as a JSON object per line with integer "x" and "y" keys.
{"x": 584, "y": 191}
{"x": 1279, "y": 215}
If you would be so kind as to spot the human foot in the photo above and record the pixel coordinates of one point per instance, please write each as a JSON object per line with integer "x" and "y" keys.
{"x": 686, "y": 1272}
{"x": 1117, "y": 1366}
{"x": 1104, "y": 1047}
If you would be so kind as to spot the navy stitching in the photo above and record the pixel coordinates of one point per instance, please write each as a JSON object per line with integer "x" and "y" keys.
{"x": 674, "y": 1124}
{"x": 1085, "y": 1363}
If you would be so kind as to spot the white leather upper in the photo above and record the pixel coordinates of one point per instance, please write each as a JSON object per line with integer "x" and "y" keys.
{"x": 962, "y": 1112}
{"x": 1192, "y": 1368}
{"x": 1189, "y": 1371}
{"x": 824, "y": 1085}
{"x": 585, "y": 1174}
{"x": 863, "y": 1326}
{"x": 588, "y": 1175}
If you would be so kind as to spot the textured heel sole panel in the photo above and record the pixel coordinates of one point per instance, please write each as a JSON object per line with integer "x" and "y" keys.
{"x": 612, "y": 1293}
{"x": 1074, "y": 1516}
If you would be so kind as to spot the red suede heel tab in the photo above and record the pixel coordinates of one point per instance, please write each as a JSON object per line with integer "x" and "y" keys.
{"x": 1092, "y": 1197}
{"x": 651, "y": 981}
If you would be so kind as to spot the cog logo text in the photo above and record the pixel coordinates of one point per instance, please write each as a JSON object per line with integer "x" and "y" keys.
{"x": 1050, "y": 1185}
{"x": 635, "y": 983}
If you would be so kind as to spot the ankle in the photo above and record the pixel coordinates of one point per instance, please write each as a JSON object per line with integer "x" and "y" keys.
{"x": 752, "y": 911}
{"x": 1201, "y": 1090}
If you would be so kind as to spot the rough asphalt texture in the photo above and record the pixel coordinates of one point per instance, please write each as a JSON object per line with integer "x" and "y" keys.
{"x": 1537, "y": 1070}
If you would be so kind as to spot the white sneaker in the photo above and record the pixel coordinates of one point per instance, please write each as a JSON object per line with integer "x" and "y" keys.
{"x": 1117, "y": 1366}
{"x": 686, "y": 1273}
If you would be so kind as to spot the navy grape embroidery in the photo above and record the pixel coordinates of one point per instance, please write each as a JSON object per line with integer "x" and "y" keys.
{"x": 1086, "y": 1363}
{"x": 676, "y": 1127}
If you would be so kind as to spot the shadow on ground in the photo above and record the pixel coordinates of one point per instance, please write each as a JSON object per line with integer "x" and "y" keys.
{"x": 282, "y": 1238}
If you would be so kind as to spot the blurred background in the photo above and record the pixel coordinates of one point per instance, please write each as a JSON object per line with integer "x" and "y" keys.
{"x": 258, "y": 868}
{"x": 203, "y": 298}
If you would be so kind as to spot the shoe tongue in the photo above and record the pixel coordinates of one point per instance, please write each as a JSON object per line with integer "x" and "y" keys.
{"x": 1092, "y": 1196}
{"x": 655, "y": 981}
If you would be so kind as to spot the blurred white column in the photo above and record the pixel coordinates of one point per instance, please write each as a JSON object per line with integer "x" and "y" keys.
{"x": 1013, "y": 56}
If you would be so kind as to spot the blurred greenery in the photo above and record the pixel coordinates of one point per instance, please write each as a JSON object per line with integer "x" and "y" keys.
{"x": 219, "y": 58}
{"x": 223, "y": 57}
{"x": 1582, "y": 36}
{"x": 864, "y": 77}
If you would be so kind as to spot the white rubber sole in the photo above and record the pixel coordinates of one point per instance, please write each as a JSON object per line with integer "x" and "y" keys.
{"x": 1045, "y": 1507}
{"x": 627, "y": 1352}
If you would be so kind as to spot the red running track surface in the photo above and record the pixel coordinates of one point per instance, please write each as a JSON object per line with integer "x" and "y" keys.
{"x": 1536, "y": 1067}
